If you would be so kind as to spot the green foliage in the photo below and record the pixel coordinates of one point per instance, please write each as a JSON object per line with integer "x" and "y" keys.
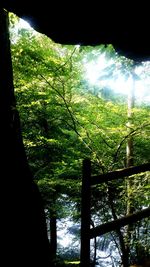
{"x": 64, "y": 120}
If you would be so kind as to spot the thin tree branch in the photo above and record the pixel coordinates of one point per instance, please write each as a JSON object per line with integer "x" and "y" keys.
{"x": 74, "y": 121}
{"x": 132, "y": 133}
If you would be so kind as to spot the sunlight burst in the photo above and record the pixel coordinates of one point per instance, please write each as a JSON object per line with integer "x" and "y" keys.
{"x": 23, "y": 24}
{"x": 96, "y": 71}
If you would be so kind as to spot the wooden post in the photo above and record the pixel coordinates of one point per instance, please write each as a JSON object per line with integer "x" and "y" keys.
{"x": 85, "y": 214}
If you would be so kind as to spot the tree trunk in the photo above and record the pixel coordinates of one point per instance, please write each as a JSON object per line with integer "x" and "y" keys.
{"x": 129, "y": 147}
{"x": 85, "y": 214}
{"x": 24, "y": 236}
{"x": 53, "y": 230}
{"x": 129, "y": 162}
{"x": 124, "y": 255}
{"x": 95, "y": 247}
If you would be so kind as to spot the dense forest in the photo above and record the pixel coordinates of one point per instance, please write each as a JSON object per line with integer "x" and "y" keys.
{"x": 66, "y": 118}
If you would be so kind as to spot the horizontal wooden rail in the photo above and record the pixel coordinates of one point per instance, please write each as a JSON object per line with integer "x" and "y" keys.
{"x": 117, "y": 224}
{"x": 119, "y": 174}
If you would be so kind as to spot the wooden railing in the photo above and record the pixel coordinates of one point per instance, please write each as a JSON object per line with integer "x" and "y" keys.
{"x": 88, "y": 181}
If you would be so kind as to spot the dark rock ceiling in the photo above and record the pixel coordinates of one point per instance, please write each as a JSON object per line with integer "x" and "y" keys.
{"x": 91, "y": 23}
